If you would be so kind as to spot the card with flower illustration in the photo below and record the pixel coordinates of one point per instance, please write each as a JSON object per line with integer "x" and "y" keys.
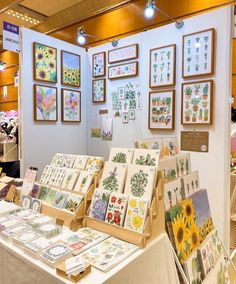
{"x": 99, "y": 204}
{"x": 116, "y": 209}
{"x": 35, "y": 191}
{"x": 113, "y": 177}
{"x": 221, "y": 272}
{"x": 70, "y": 179}
{"x": 169, "y": 167}
{"x": 80, "y": 162}
{"x": 183, "y": 164}
{"x": 94, "y": 164}
{"x": 99, "y": 91}
{"x": 140, "y": 181}
{"x": 60, "y": 199}
{"x": 190, "y": 183}
{"x": 146, "y": 157}
{"x": 121, "y": 155}
{"x": 136, "y": 214}
{"x": 68, "y": 161}
{"x": 84, "y": 181}
{"x": 172, "y": 193}
{"x": 73, "y": 202}
{"x": 57, "y": 160}
{"x": 192, "y": 268}
{"x": 99, "y": 64}
{"x": 43, "y": 193}
{"x": 71, "y": 105}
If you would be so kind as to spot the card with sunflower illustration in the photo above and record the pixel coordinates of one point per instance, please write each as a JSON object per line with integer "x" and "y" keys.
{"x": 45, "y": 63}
{"x": 136, "y": 214}
{"x": 70, "y": 69}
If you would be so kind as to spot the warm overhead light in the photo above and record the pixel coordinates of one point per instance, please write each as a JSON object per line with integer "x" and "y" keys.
{"x": 150, "y": 8}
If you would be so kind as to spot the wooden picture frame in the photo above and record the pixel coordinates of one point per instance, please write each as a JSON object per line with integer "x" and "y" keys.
{"x": 40, "y": 109}
{"x": 73, "y": 112}
{"x": 44, "y": 71}
{"x": 162, "y": 66}
{"x": 70, "y": 66}
{"x": 160, "y": 110}
{"x": 95, "y": 98}
{"x": 197, "y": 103}
{"x": 198, "y": 54}
{"x": 102, "y": 70}
{"x": 118, "y": 69}
{"x": 118, "y": 54}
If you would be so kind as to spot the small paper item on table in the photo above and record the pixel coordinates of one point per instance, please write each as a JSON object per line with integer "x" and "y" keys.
{"x": 74, "y": 265}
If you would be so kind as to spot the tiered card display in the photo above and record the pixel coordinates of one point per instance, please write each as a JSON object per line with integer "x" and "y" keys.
{"x": 94, "y": 164}
{"x": 73, "y": 202}
{"x": 80, "y": 162}
{"x": 172, "y": 193}
{"x": 36, "y": 246}
{"x": 190, "y": 183}
{"x": 121, "y": 155}
{"x": 113, "y": 177}
{"x": 70, "y": 179}
{"x": 99, "y": 204}
{"x": 169, "y": 167}
{"x": 136, "y": 214}
{"x": 84, "y": 181}
{"x": 116, "y": 209}
{"x": 60, "y": 199}
{"x": 146, "y": 157}
{"x": 109, "y": 253}
{"x": 183, "y": 165}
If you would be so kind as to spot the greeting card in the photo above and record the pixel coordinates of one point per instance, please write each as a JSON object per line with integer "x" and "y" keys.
{"x": 94, "y": 164}
{"x": 27, "y": 236}
{"x": 99, "y": 204}
{"x": 43, "y": 193}
{"x": 70, "y": 179}
{"x": 58, "y": 160}
{"x": 51, "y": 195}
{"x": 121, "y": 155}
{"x": 60, "y": 199}
{"x": 35, "y": 190}
{"x": 68, "y": 161}
{"x": 183, "y": 164}
{"x": 35, "y": 246}
{"x": 80, "y": 162}
{"x": 146, "y": 157}
{"x": 84, "y": 181}
{"x": 11, "y": 232}
{"x": 26, "y": 202}
{"x": 73, "y": 202}
{"x": 169, "y": 167}
{"x": 190, "y": 183}
{"x": 173, "y": 193}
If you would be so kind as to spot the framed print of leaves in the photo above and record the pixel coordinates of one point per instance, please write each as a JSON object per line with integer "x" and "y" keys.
{"x": 99, "y": 64}
{"x": 99, "y": 91}
{"x": 162, "y": 66}
{"x": 123, "y": 71}
{"x": 45, "y": 63}
{"x": 71, "y": 105}
{"x": 197, "y": 103}
{"x": 161, "y": 111}
{"x": 45, "y": 103}
{"x": 198, "y": 54}
{"x": 70, "y": 69}
{"x": 123, "y": 53}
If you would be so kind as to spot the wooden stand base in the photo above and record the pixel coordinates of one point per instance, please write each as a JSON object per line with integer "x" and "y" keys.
{"x": 61, "y": 271}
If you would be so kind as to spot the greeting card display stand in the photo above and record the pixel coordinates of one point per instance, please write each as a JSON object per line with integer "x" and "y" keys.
{"x": 61, "y": 271}
{"x": 154, "y": 225}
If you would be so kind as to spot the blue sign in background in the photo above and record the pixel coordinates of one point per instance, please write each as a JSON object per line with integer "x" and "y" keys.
{"x": 10, "y": 28}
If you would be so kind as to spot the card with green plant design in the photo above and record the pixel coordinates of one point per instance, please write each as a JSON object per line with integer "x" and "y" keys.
{"x": 84, "y": 181}
{"x": 113, "y": 177}
{"x": 70, "y": 179}
{"x": 121, "y": 155}
{"x": 190, "y": 183}
{"x": 169, "y": 166}
{"x": 183, "y": 164}
{"x": 173, "y": 193}
{"x": 192, "y": 268}
{"x": 146, "y": 157}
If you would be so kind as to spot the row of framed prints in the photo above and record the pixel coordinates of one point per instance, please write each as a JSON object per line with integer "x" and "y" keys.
{"x": 196, "y": 106}
{"x": 46, "y": 104}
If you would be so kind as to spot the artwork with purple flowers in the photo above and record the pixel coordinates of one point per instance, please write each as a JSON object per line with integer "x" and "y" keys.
{"x": 99, "y": 204}
{"x": 99, "y": 64}
{"x": 123, "y": 71}
{"x": 71, "y": 105}
{"x": 45, "y": 103}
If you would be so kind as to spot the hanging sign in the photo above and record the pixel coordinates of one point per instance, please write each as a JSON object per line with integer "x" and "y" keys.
{"x": 11, "y": 37}
{"x": 195, "y": 141}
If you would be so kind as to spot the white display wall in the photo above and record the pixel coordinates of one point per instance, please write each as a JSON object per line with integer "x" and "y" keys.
{"x": 213, "y": 166}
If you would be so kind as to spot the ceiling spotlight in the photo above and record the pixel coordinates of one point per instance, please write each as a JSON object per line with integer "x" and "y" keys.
{"x": 2, "y": 65}
{"x": 150, "y": 8}
{"x": 81, "y": 35}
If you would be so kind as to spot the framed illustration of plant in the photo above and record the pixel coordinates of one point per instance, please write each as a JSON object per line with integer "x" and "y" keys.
{"x": 45, "y": 103}
{"x": 123, "y": 71}
{"x": 162, "y": 66}
{"x": 45, "y": 63}
{"x": 123, "y": 53}
{"x": 197, "y": 102}
{"x": 70, "y": 105}
{"x": 99, "y": 64}
{"x": 99, "y": 91}
{"x": 198, "y": 54}
{"x": 70, "y": 69}
{"x": 161, "y": 110}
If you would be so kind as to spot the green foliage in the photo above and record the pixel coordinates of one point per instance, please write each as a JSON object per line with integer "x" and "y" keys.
{"x": 119, "y": 158}
{"x": 138, "y": 183}
{"x": 148, "y": 161}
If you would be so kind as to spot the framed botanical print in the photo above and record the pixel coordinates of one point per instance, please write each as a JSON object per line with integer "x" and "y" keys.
{"x": 70, "y": 105}
{"x": 162, "y": 66}
{"x": 198, "y": 54}
{"x": 123, "y": 53}
{"x": 70, "y": 69}
{"x": 45, "y": 103}
{"x": 99, "y": 64}
{"x": 45, "y": 63}
{"x": 161, "y": 111}
{"x": 123, "y": 71}
{"x": 99, "y": 91}
{"x": 197, "y": 103}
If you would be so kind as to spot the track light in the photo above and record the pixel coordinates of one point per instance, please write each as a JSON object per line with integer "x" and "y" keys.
{"x": 2, "y": 65}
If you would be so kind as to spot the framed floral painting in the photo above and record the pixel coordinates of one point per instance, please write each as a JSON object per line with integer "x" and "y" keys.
{"x": 162, "y": 66}
{"x": 197, "y": 103}
{"x": 161, "y": 111}
{"x": 45, "y": 103}
{"x": 123, "y": 71}
{"x": 198, "y": 54}
{"x": 71, "y": 105}
{"x": 70, "y": 69}
{"x": 99, "y": 91}
{"x": 45, "y": 63}
{"x": 123, "y": 53}
{"x": 99, "y": 64}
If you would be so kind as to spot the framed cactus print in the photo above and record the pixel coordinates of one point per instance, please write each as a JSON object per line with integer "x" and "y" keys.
{"x": 45, "y": 63}
{"x": 197, "y": 103}
{"x": 198, "y": 54}
{"x": 70, "y": 69}
{"x": 99, "y": 64}
{"x": 162, "y": 66}
{"x": 70, "y": 105}
{"x": 161, "y": 110}
{"x": 99, "y": 91}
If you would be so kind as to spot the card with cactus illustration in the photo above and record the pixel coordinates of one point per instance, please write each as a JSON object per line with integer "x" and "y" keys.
{"x": 94, "y": 164}
{"x": 113, "y": 177}
{"x": 198, "y": 54}
{"x": 190, "y": 183}
{"x": 84, "y": 181}
{"x": 70, "y": 179}
{"x": 162, "y": 66}
{"x": 161, "y": 110}
{"x": 136, "y": 214}
{"x": 172, "y": 193}
{"x": 182, "y": 229}
{"x": 146, "y": 157}
{"x": 192, "y": 268}
{"x": 121, "y": 155}
{"x": 80, "y": 162}
{"x": 60, "y": 199}
{"x": 116, "y": 209}
{"x": 73, "y": 202}
{"x": 169, "y": 166}
{"x": 140, "y": 181}
{"x": 99, "y": 203}
{"x": 183, "y": 164}
{"x": 197, "y": 102}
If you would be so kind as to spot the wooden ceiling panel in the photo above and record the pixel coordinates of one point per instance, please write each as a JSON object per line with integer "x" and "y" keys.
{"x": 7, "y": 4}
